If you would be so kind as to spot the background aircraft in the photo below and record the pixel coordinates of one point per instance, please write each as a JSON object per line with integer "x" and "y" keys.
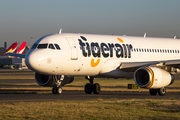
{"x": 11, "y": 49}
{"x": 21, "y": 48}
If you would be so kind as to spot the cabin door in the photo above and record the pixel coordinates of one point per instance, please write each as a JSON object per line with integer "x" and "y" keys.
{"x": 74, "y": 51}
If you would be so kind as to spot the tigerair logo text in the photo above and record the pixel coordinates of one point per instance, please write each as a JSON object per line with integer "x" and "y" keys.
{"x": 104, "y": 49}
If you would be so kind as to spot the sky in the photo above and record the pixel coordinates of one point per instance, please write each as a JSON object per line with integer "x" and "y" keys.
{"x": 28, "y": 20}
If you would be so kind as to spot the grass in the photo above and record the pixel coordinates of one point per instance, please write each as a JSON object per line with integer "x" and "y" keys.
{"x": 99, "y": 109}
{"x": 16, "y": 77}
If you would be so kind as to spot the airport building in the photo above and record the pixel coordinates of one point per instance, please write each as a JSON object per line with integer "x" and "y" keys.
{"x": 6, "y": 62}
{"x": 11, "y": 62}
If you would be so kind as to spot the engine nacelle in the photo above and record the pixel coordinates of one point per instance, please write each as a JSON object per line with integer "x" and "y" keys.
{"x": 49, "y": 80}
{"x": 152, "y": 77}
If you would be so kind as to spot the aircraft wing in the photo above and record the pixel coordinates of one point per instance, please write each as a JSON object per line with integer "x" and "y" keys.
{"x": 132, "y": 66}
{"x": 16, "y": 54}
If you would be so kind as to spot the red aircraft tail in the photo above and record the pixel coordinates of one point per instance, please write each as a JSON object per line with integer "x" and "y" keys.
{"x": 11, "y": 49}
{"x": 21, "y": 48}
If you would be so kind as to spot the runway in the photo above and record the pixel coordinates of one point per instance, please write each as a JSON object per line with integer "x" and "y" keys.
{"x": 80, "y": 95}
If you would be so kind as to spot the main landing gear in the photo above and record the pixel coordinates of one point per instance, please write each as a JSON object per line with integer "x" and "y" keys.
{"x": 91, "y": 87}
{"x": 161, "y": 91}
{"x": 57, "y": 88}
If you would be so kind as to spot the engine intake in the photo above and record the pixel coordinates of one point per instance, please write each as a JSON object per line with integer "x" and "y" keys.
{"x": 49, "y": 80}
{"x": 152, "y": 77}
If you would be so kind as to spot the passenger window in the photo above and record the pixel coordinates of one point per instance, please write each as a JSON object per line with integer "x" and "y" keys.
{"x": 134, "y": 50}
{"x": 157, "y": 50}
{"x": 57, "y": 46}
{"x": 144, "y": 50}
{"x": 139, "y": 50}
{"x": 51, "y": 46}
{"x": 41, "y": 46}
{"x": 147, "y": 50}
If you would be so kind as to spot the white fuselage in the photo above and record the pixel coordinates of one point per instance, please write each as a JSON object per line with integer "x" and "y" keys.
{"x": 97, "y": 55}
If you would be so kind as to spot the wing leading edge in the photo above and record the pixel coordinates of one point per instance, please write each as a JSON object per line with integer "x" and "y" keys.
{"x": 133, "y": 66}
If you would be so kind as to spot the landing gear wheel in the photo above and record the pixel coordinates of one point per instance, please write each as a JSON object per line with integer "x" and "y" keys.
{"x": 96, "y": 88}
{"x": 56, "y": 90}
{"x": 162, "y": 91}
{"x": 88, "y": 88}
{"x": 153, "y": 91}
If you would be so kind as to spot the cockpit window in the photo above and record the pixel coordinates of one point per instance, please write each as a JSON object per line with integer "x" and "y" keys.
{"x": 51, "y": 46}
{"x": 57, "y": 46}
{"x": 34, "y": 46}
{"x": 41, "y": 46}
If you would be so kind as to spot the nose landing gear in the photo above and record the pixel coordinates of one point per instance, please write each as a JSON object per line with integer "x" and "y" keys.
{"x": 57, "y": 88}
{"x": 90, "y": 87}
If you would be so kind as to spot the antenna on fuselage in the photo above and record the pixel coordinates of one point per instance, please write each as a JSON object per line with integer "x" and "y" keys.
{"x": 144, "y": 35}
{"x": 60, "y": 30}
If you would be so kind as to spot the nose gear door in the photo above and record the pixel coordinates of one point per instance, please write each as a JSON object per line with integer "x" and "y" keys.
{"x": 74, "y": 51}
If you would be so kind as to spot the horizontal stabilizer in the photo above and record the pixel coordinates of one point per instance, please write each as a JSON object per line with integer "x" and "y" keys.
{"x": 16, "y": 55}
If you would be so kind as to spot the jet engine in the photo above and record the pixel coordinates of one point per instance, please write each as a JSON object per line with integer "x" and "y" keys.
{"x": 49, "y": 80}
{"x": 152, "y": 77}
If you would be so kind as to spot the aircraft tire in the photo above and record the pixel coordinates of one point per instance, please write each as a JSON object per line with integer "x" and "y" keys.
{"x": 54, "y": 90}
{"x": 58, "y": 90}
{"x": 162, "y": 91}
{"x": 153, "y": 91}
{"x": 88, "y": 88}
{"x": 96, "y": 88}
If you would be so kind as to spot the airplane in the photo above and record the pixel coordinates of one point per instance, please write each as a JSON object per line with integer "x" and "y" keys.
{"x": 21, "y": 48}
{"x": 57, "y": 58}
{"x": 11, "y": 49}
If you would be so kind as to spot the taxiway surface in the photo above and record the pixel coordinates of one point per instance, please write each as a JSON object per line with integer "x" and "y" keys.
{"x": 71, "y": 95}
{"x": 80, "y": 95}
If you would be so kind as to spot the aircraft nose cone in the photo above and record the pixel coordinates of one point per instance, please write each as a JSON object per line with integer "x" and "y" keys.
{"x": 33, "y": 60}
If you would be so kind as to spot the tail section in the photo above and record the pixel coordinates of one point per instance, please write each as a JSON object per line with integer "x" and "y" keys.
{"x": 21, "y": 48}
{"x": 11, "y": 49}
